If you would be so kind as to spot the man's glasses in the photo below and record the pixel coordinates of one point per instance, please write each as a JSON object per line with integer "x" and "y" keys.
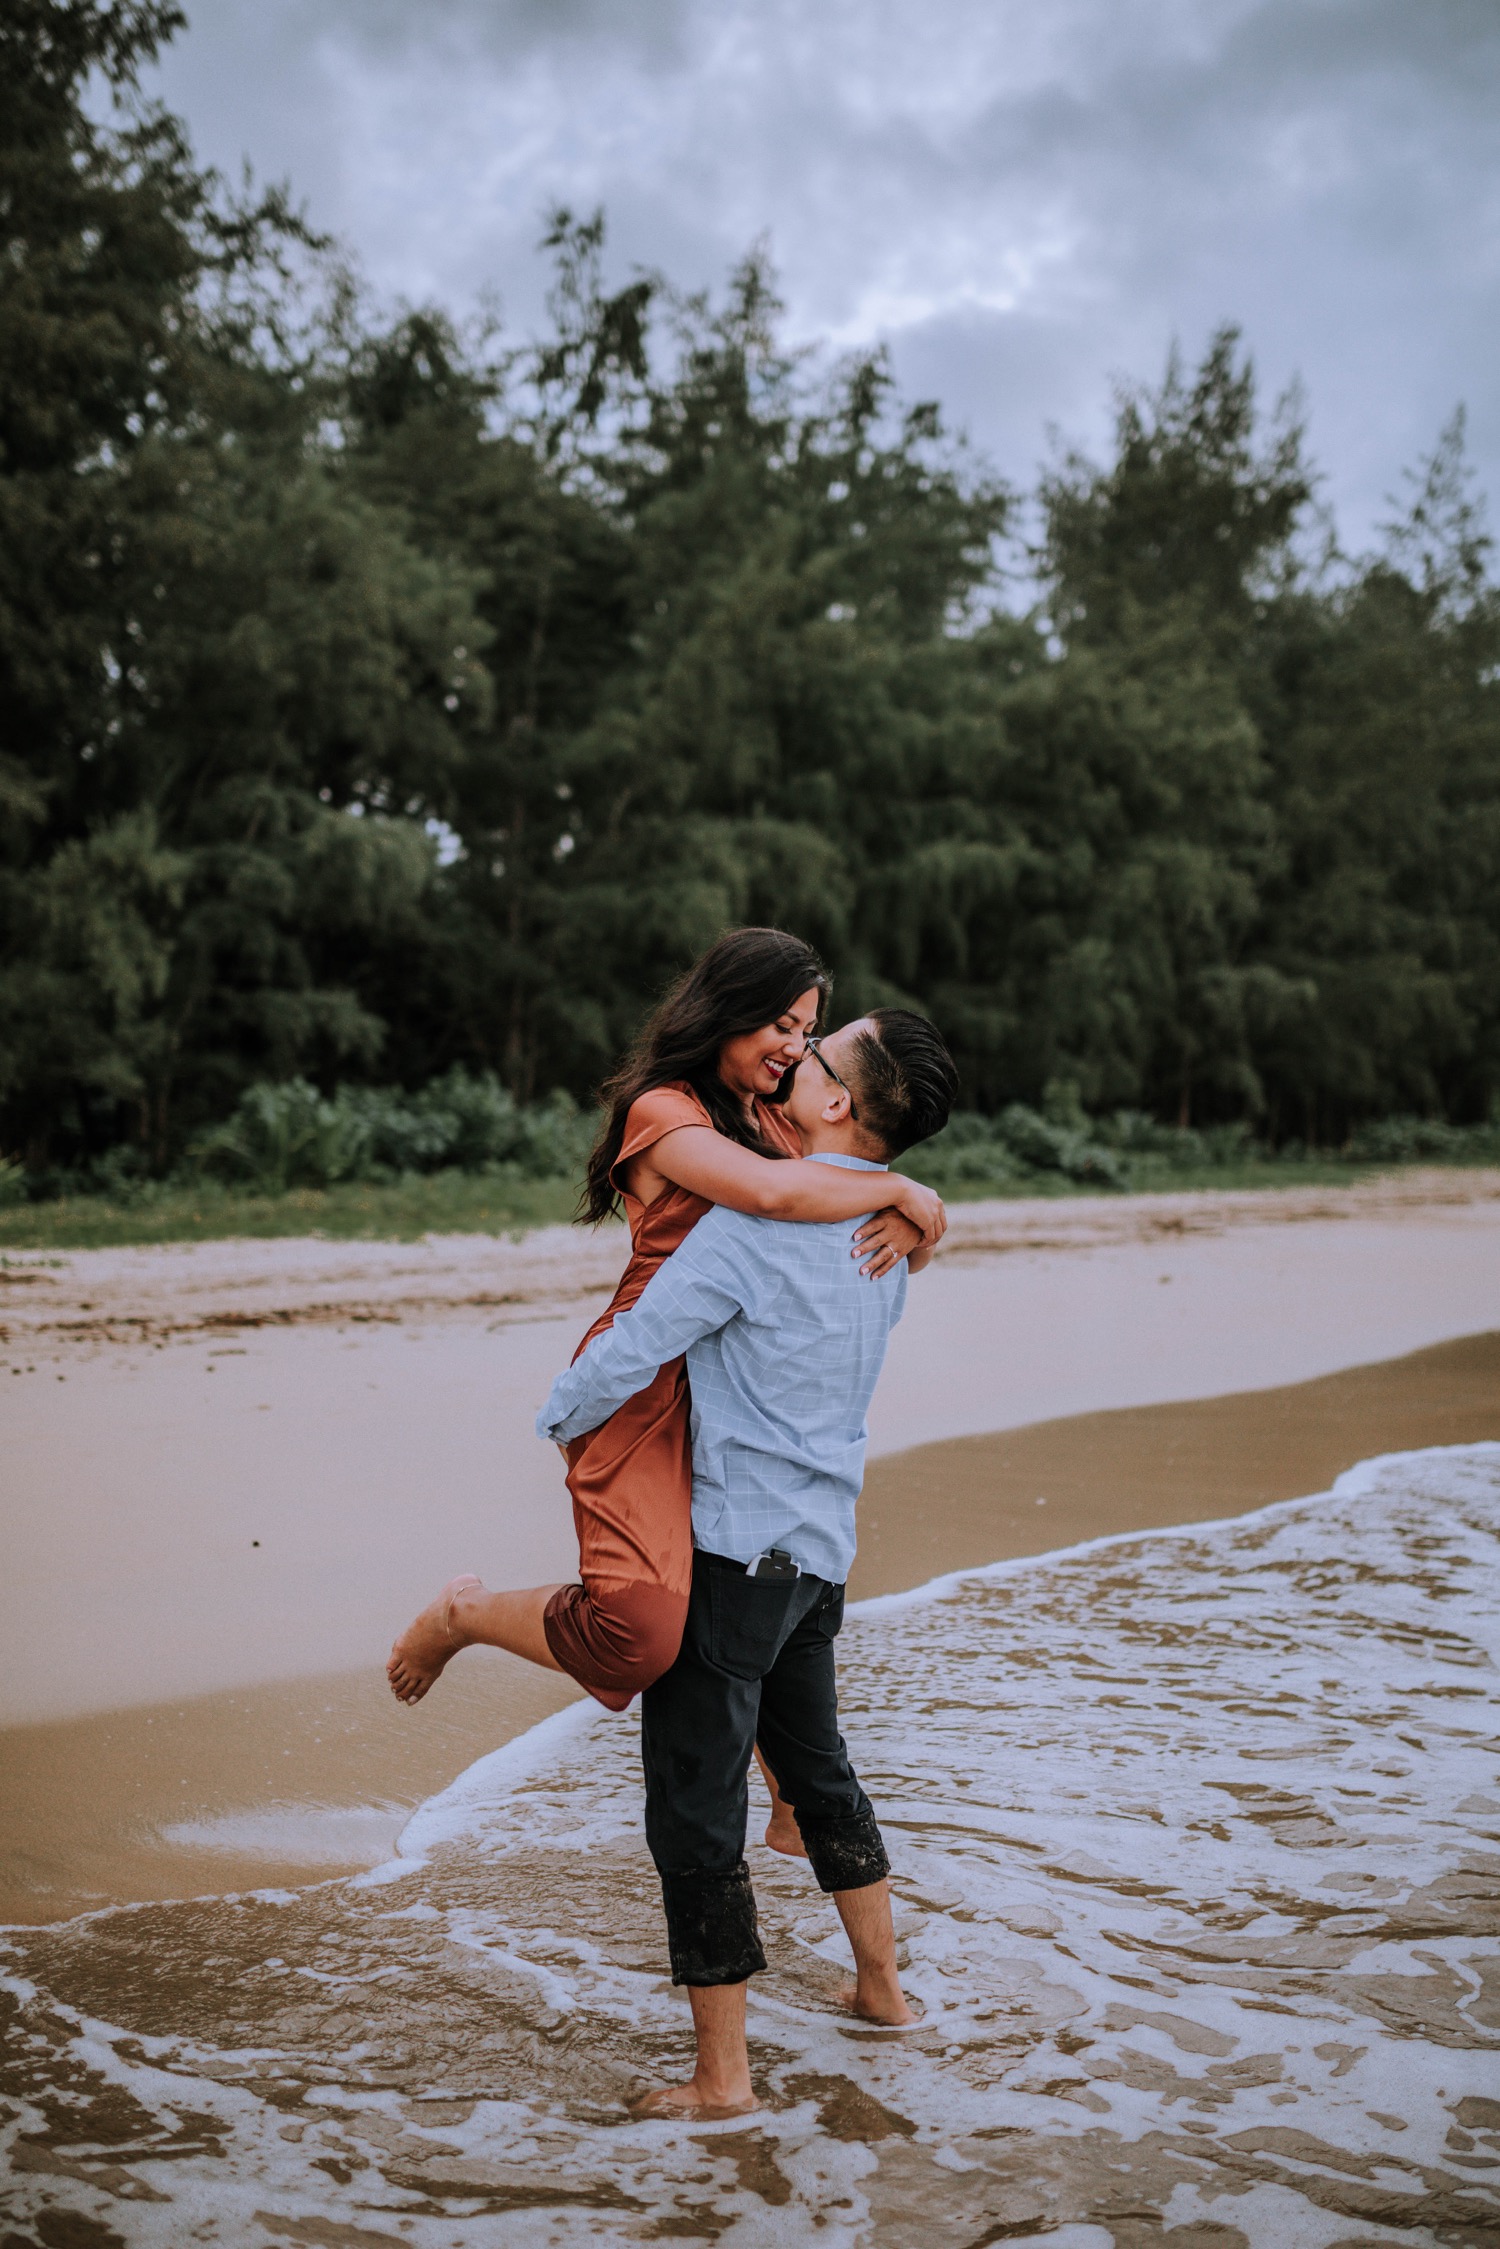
{"x": 815, "y": 1049}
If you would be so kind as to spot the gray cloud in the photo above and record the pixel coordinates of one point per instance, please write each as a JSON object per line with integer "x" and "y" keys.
{"x": 1022, "y": 201}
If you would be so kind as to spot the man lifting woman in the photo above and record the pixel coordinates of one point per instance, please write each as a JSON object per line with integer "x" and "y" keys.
{"x": 780, "y": 1307}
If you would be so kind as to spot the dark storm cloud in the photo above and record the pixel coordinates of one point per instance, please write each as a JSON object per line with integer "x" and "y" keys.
{"x": 1022, "y": 201}
{"x": 517, "y": 27}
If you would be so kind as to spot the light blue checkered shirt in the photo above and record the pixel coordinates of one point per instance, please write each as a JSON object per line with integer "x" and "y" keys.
{"x": 785, "y": 1340}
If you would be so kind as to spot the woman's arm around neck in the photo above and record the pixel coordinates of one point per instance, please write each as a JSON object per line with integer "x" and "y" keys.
{"x": 709, "y": 1164}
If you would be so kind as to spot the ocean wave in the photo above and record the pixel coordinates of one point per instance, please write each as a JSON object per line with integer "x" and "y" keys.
{"x": 1196, "y": 1839}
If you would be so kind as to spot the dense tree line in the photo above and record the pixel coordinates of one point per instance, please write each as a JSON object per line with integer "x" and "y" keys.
{"x": 379, "y": 699}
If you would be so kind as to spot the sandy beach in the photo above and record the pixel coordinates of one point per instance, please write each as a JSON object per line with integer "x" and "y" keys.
{"x": 232, "y": 1470}
{"x": 1193, "y": 1829}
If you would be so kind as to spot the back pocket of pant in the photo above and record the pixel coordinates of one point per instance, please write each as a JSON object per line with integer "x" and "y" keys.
{"x": 749, "y": 1621}
{"x": 829, "y": 1616}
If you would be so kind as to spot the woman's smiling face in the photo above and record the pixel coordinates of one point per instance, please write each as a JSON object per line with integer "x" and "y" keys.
{"x": 754, "y": 1063}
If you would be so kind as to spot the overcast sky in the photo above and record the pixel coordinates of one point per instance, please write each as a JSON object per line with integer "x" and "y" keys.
{"x": 1024, "y": 198}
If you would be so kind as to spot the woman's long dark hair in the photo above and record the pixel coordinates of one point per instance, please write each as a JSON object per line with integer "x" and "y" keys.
{"x": 743, "y": 982}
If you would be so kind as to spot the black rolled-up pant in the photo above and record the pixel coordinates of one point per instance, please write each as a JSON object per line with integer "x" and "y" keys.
{"x": 756, "y": 1665}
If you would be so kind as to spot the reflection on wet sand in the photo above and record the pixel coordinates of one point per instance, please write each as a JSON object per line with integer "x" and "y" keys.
{"x": 272, "y": 1783}
{"x": 283, "y": 1783}
{"x": 1197, "y": 1839}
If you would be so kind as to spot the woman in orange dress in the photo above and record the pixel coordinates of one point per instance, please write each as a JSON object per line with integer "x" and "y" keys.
{"x": 693, "y": 1120}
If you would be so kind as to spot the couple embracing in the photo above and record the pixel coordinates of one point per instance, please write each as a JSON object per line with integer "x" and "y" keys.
{"x": 713, "y": 1423}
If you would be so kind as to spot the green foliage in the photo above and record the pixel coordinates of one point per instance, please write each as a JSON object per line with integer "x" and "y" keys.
{"x": 1388, "y": 1140}
{"x": 285, "y": 1136}
{"x": 381, "y": 708}
{"x": 1022, "y": 1151}
{"x": 215, "y": 654}
{"x": 400, "y": 1210}
{"x": 974, "y": 1152}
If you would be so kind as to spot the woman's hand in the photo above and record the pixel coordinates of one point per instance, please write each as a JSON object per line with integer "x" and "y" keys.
{"x": 884, "y": 1240}
{"x": 923, "y": 1206}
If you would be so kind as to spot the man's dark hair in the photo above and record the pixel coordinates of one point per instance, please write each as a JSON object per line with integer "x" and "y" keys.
{"x": 904, "y": 1081}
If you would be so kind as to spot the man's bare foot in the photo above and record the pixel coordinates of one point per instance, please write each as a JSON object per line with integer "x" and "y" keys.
{"x": 885, "y": 2004}
{"x": 427, "y": 1644}
{"x": 720, "y": 2084}
{"x": 688, "y": 2103}
{"x": 783, "y": 1834}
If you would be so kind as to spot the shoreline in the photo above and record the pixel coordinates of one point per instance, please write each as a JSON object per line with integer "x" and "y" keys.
{"x": 234, "y": 1469}
{"x": 1161, "y": 1467}
{"x": 303, "y": 1780}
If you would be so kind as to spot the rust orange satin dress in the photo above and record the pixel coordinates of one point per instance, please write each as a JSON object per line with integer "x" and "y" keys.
{"x": 632, "y": 1479}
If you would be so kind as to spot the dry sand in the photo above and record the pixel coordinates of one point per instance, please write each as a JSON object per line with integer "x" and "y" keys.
{"x": 231, "y": 1471}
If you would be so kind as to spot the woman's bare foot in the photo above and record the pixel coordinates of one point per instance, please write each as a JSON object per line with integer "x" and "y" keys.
{"x": 688, "y": 2103}
{"x": 782, "y": 1832}
{"x": 427, "y": 1644}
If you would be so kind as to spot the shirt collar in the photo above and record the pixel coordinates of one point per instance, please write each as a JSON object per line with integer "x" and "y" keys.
{"x": 845, "y": 1163}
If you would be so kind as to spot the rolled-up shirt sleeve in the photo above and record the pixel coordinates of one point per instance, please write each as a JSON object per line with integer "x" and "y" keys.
{"x": 694, "y": 1293}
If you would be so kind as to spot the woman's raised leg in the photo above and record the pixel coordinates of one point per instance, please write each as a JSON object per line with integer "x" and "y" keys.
{"x": 613, "y": 1639}
{"x": 620, "y": 1628}
{"x": 466, "y": 1615}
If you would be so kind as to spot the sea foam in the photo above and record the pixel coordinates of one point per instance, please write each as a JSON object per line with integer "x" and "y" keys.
{"x": 1196, "y": 1840}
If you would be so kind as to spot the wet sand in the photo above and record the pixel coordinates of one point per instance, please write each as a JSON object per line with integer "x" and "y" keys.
{"x": 974, "y": 1500}
{"x": 201, "y": 1573}
{"x": 1195, "y": 1884}
{"x": 311, "y": 1777}
{"x": 228, "y": 1465}
{"x": 254, "y": 1786}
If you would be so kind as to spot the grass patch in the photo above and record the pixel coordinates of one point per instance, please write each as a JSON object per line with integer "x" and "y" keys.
{"x": 1143, "y": 1178}
{"x": 441, "y": 1202}
{"x": 458, "y": 1202}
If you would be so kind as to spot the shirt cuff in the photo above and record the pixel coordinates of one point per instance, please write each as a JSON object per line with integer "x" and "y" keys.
{"x": 561, "y": 1419}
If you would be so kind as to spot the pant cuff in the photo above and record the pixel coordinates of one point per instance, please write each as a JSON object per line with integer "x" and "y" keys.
{"x": 711, "y": 1928}
{"x": 847, "y": 1853}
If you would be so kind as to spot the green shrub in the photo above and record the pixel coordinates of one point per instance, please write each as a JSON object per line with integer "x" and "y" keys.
{"x": 289, "y": 1137}
{"x": 1135, "y": 1133}
{"x": 966, "y": 1153}
{"x": 1403, "y": 1139}
{"x": 1020, "y": 1143}
{"x": 1043, "y": 1143}
{"x": 285, "y": 1136}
